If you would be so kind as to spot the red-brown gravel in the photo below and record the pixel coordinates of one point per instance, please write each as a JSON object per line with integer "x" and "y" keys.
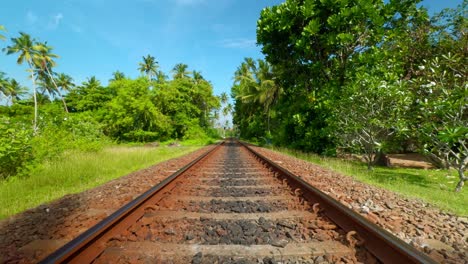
{"x": 23, "y": 236}
{"x": 441, "y": 235}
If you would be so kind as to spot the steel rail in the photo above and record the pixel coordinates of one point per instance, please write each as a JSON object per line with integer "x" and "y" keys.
{"x": 87, "y": 246}
{"x": 381, "y": 243}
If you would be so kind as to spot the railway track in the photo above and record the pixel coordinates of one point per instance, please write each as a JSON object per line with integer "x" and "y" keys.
{"x": 232, "y": 205}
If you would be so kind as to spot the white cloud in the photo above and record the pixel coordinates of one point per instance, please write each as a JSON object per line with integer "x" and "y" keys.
{"x": 55, "y": 21}
{"x": 240, "y": 43}
{"x": 31, "y": 17}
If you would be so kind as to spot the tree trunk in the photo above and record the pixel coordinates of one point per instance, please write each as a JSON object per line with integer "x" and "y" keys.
{"x": 437, "y": 162}
{"x": 268, "y": 113}
{"x": 63, "y": 101}
{"x": 368, "y": 159}
{"x": 462, "y": 180}
{"x": 35, "y": 98}
{"x": 56, "y": 88}
{"x": 382, "y": 159}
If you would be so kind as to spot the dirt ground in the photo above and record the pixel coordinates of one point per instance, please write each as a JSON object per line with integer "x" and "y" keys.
{"x": 410, "y": 160}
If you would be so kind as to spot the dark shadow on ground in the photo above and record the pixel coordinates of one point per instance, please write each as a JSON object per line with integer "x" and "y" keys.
{"x": 394, "y": 176}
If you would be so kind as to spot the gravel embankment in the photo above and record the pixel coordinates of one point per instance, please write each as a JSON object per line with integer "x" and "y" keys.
{"x": 441, "y": 235}
{"x": 30, "y": 236}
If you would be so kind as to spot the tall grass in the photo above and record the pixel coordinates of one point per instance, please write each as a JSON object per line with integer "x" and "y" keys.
{"x": 432, "y": 186}
{"x": 76, "y": 171}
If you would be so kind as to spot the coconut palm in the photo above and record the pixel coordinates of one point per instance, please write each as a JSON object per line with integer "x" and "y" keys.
{"x": 15, "y": 90}
{"x": 227, "y": 109}
{"x": 4, "y": 92}
{"x": 28, "y": 51}
{"x": 223, "y": 97}
{"x": 161, "y": 77}
{"x": 92, "y": 83}
{"x": 197, "y": 76}
{"x": 45, "y": 86}
{"x": 256, "y": 85}
{"x": 268, "y": 90}
{"x": 180, "y": 71}
{"x": 149, "y": 66}
{"x": 64, "y": 81}
{"x": 117, "y": 75}
{"x": 45, "y": 62}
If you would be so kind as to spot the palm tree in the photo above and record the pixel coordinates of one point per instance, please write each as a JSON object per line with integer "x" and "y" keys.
{"x": 45, "y": 62}
{"x": 161, "y": 77}
{"x": 44, "y": 86}
{"x": 92, "y": 83}
{"x": 117, "y": 75}
{"x": 28, "y": 51}
{"x": 256, "y": 85}
{"x": 64, "y": 81}
{"x": 4, "y": 86}
{"x": 149, "y": 66}
{"x": 224, "y": 97}
{"x": 197, "y": 76}
{"x": 227, "y": 109}
{"x": 268, "y": 90}
{"x": 2, "y": 28}
{"x": 15, "y": 90}
{"x": 180, "y": 71}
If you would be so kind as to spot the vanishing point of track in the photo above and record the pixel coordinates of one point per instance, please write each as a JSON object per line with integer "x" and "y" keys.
{"x": 232, "y": 205}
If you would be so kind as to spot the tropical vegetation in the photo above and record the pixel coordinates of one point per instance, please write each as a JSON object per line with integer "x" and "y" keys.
{"x": 359, "y": 76}
{"x": 63, "y": 116}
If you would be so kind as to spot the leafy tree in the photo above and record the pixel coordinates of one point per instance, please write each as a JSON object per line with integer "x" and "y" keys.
{"x": 132, "y": 115}
{"x": 451, "y": 30}
{"x": 189, "y": 104}
{"x": 89, "y": 96}
{"x": 28, "y": 51}
{"x": 149, "y": 66}
{"x": 315, "y": 48}
{"x": 441, "y": 97}
{"x": 373, "y": 108}
{"x": 320, "y": 37}
{"x": 180, "y": 71}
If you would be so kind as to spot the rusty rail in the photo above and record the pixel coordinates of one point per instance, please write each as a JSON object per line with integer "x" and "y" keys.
{"x": 382, "y": 244}
{"x": 88, "y": 245}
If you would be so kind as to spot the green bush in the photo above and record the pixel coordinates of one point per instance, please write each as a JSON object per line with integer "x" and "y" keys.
{"x": 78, "y": 131}
{"x": 15, "y": 147}
{"x": 21, "y": 151}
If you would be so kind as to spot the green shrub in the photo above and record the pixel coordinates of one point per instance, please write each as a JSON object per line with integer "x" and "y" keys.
{"x": 15, "y": 147}
{"x": 21, "y": 151}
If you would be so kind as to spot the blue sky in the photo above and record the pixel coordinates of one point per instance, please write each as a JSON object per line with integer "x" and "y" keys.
{"x": 98, "y": 37}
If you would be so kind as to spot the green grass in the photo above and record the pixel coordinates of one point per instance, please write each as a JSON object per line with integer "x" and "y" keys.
{"x": 78, "y": 171}
{"x": 432, "y": 186}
